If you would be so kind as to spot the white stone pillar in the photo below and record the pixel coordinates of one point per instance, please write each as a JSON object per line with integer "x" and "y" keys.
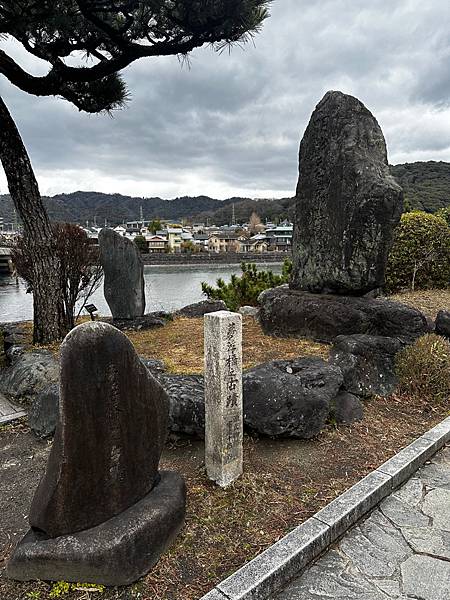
{"x": 223, "y": 396}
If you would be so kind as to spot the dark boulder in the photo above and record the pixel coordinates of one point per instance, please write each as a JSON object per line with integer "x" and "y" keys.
{"x": 43, "y": 413}
{"x": 28, "y": 375}
{"x": 442, "y": 326}
{"x": 347, "y": 203}
{"x": 103, "y": 512}
{"x": 322, "y": 317}
{"x": 367, "y": 363}
{"x": 186, "y": 403}
{"x": 290, "y": 398}
{"x": 346, "y": 408}
{"x": 123, "y": 275}
{"x": 109, "y": 438}
{"x": 201, "y": 308}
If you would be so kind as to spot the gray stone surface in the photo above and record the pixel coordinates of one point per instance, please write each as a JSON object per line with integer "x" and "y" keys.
{"x": 442, "y": 326}
{"x": 346, "y": 408}
{"x": 322, "y": 317}
{"x": 43, "y": 414}
{"x": 223, "y": 397}
{"x": 347, "y": 203}
{"x": 426, "y": 577}
{"x": 249, "y": 311}
{"x": 199, "y": 309}
{"x": 350, "y": 506}
{"x": 122, "y": 264}
{"x": 290, "y": 398}
{"x": 116, "y": 552}
{"x": 9, "y": 411}
{"x": 400, "y": 551}
{"x": 367, "y": 363}
{"x": 29, "y": 374}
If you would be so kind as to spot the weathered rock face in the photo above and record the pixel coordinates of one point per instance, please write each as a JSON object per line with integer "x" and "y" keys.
{"x": 103, "y": 512}
{"x": 290, "y": 398}
{"x": 443, "y": 323}
{"x": 30, "y": 373}
{"x": 367, "y": 363}
{"x": 124, "y": 275}
{"x": 43, "y": 414}
{"x": 346, "y": 408}
{"x": 322, "y": 317}
{"x": 347, "y": 202}
{"x": 198, "y": 309}
{"x": 112, "y": 428}
{"x": 186, "y": 403}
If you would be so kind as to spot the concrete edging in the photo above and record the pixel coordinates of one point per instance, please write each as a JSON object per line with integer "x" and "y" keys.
{"x": 271, "y": 570}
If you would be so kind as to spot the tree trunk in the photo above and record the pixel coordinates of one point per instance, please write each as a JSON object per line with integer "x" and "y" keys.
{"x": 48, "y": 303}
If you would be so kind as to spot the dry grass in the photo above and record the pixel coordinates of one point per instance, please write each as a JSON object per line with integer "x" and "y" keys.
{"x": 180, "y": 345}
{"x": 285, "y": 482}
{"x": 430, "y": 302}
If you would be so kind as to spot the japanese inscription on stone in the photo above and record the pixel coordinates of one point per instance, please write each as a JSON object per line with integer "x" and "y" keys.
{"x": 223, "y": 396}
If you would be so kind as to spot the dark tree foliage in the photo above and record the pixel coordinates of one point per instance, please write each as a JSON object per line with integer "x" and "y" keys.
{"x": 111, "y": 35}
{"x": 86, "y": 44}
{"x": 244, "y": 290}
{"x": 80, "y": 269}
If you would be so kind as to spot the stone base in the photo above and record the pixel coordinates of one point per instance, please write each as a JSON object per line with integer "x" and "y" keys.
{"x": 117, "y": 552}
{"x": 322, "y": 317}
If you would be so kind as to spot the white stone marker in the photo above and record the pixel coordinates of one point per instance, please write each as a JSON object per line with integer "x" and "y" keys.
{"x": 223, "y": 396}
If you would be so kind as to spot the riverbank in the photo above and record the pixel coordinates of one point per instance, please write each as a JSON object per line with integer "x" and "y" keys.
{"x": 210, "y": 258}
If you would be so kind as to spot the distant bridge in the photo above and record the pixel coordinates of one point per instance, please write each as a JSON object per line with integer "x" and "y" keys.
{"x": 5, "y": 260}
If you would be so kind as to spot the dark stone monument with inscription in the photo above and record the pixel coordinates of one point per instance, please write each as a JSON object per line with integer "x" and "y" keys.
{"x": 124, "y": 275}
{"x": 103, "y": 512}
{"x": 347, "y": 205}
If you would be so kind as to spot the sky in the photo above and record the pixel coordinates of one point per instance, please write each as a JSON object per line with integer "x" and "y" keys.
{"x": 230, "y": 124}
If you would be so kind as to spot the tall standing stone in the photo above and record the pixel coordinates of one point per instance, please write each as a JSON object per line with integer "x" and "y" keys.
{"x": 347, "y": 203}
{"x": 223, "y": 396}
{"x": 122, "y": 264}
{"x": 103, "y": 512}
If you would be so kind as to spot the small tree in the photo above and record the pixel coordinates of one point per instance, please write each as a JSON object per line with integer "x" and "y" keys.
{"x": 81, "y": 272}
{"x": 244, "y": 290}
{"x": 420, "y": 255}
{"x": 141, "y": 243}
{"x": 255, "y": 223}
{"x": 105, "y": 36}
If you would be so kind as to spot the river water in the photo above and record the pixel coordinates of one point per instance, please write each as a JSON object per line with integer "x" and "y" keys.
{"x": 167, "y": 287}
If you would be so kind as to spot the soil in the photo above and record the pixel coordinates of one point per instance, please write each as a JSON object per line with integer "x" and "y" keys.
{"x": 285, "y": 482}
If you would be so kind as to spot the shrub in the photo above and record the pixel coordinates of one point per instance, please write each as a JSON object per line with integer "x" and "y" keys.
{"x": 244, "y": 290}
{"x": 423, "y": 369}
{"x": 444, "y": 213}
{"x": 420, "y": 255}
{"x": 141, "y": 243}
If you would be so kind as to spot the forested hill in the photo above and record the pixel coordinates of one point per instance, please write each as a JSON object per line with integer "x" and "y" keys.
{"x": 426, "y": 185}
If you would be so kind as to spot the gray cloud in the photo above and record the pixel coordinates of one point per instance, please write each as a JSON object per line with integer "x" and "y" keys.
{"x": 231, "y": 124}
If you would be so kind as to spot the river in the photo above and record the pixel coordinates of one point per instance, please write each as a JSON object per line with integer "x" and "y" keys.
{"x": 167, "y": 287}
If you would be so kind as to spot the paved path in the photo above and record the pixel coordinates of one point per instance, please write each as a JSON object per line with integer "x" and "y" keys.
{"x": 9, "y": 411}
{"x": 401, "y": 551}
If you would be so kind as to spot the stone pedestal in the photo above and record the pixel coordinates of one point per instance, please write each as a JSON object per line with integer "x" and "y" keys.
{"x": 223, "y": 396}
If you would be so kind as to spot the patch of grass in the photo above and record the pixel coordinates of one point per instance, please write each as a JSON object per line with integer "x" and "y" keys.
{"x": 430, "y": 302}
{"x": 180, "y": 345}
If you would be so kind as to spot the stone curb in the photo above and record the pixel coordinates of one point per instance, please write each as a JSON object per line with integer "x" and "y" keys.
{"x": 5, "y": 420}
{"x": 271, "y": 570}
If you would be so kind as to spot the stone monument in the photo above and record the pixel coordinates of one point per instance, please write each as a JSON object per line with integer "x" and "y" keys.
{"x": 347, "y": 203}
{"x": 223, "y": 396}
{"x": 347, "y": 206}
{"x": 123, "y": 268}
{"x": 103, "y": 512}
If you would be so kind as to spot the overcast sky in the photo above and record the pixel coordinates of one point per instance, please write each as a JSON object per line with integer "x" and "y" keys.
{"x": 231, "y": 124}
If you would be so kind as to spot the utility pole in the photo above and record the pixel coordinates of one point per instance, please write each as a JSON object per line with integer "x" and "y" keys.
{"x": 233, "y": 215}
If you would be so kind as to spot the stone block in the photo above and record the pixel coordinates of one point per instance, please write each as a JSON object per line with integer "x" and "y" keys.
{"x": 401, "y": 466}
{"x": 223, "y": 396}
{"x": 353, "y": 504}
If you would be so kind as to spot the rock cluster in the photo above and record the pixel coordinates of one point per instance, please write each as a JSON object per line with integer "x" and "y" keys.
{"x": 102, "y": 512}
